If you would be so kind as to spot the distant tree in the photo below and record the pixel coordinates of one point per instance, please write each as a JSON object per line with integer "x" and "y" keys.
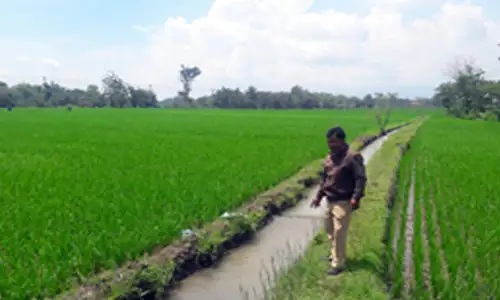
{"x": 142, "y": 98}
{"x": 383, "y": 107}
{"x": 251, "y": 98}
{"x": 187, "y": 76}
{"x": 116, "y": 91}
{"x": 368, "y": 101}
{"x": 468, "y": 94}
{"x": 47, "y": 89}
{"x": 5, "y": 96}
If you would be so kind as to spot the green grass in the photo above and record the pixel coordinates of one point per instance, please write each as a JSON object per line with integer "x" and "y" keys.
{"x": 399, "y": 213}
{"x": 365, "y": 277}
{"x": 87, "y": 190}
{"x": 460, "y": 160}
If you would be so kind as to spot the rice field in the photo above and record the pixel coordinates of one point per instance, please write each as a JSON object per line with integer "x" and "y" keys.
{"x": 445, "y": 240}
{"x": 87, "y": 190}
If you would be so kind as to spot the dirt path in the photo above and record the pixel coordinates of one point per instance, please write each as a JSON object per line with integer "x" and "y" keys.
{"x": 247, "y": 272}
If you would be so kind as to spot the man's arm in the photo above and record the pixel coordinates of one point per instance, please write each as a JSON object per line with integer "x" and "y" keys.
{"x": 359, "y": 177}
{"x": 321, "y": 191}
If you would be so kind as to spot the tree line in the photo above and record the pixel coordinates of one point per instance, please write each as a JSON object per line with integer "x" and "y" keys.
{"x": 297, "y": 98}
{"x": 116, "y": 92}
{"x": 468, "y": 94}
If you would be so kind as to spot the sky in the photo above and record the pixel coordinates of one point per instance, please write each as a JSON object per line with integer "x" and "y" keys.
{"x": 351, "y": 47}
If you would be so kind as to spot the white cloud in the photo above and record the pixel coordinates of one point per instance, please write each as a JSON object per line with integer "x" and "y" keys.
{"x": 274, "y": 44}
{"x": 142, "y": 28}
{"x": 50, "y": 62}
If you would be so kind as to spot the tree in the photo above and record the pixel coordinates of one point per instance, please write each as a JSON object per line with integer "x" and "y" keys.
{"x": 383, "y": 108}
{"x": 5, "y": 96}
{"x": 492, "y": 94}
{"x": 368, "y": 100}
{"x": 187, "y": 76}
{"x": 251, "y": 98}
{"x": 116, "y": 91}
{"x": 142, "y": 98}
{"x": 468, "y": 94}
{"x": 48, "y": 89}
{"x": 93, "y": 97}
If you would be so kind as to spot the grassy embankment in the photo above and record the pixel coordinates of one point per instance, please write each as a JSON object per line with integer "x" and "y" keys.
{"x": 88, "y": 190}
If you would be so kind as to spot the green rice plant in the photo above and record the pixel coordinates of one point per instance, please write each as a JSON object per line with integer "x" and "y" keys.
{"x": 436, "y": 261}
{"x": 403, "y": 188}
{"x": 90, "y": 190}
{"x": 394, "y": 220}
{"x": 460, "y": 161}
{"x": 418, "y": 250}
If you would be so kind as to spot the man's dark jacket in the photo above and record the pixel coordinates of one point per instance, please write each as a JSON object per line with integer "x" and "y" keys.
{"x": 343, "y": 177}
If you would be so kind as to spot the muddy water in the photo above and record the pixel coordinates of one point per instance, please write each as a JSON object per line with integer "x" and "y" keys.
{"x": 246, "y": 272}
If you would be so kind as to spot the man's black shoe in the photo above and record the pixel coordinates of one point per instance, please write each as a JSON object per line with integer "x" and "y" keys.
{"x": 329, "y": 259}
{"x": 335, "y": 271}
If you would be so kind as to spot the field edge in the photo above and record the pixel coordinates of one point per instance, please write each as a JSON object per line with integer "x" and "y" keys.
{"x": 158, "y": 273}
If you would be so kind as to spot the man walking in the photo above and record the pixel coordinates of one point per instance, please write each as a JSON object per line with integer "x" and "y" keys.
{"x": 343, "y": 184}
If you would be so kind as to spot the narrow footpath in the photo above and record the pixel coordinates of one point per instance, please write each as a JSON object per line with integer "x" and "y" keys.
{"x": 248, "y": 271}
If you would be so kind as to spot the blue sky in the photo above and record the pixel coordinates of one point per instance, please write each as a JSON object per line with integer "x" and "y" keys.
{"x": 108, "y": 21}
{"x": 98, "y": 22}
{"x": 108, "y": 25}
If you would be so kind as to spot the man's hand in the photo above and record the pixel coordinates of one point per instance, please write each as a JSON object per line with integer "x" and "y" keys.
{"x": 315, "y": 202}
{"x": 354, "y": 204}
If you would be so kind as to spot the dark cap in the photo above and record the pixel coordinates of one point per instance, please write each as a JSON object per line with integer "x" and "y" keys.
{"x": 337, "y": 132}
